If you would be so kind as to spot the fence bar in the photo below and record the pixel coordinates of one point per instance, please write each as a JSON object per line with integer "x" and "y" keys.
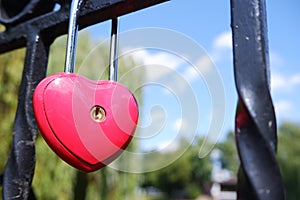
{"x": 55, "y": 24}
{"x": 19, "y": 168}
{"x": 255, "y": 129}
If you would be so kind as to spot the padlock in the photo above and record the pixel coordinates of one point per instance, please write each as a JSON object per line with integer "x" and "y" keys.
{"x": 86, "y": 123}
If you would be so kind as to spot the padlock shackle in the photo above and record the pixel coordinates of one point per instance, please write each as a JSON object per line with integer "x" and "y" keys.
{"x": 72, "y": 37}
{"x": 113, "y": 55}
{"x": 72, "y": 43}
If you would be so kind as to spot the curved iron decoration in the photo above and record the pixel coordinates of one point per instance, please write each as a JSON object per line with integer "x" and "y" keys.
{"x": 256, "y": 132}
{"x": 15, "y": 11}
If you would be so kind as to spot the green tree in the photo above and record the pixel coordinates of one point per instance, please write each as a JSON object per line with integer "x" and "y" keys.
{"x": 187, "y": 174}
{"x": 289, "y": 158}
{"x": 230, "y": 155}
{"x": 201, "y": 168}
{"x": 172, "y": 178}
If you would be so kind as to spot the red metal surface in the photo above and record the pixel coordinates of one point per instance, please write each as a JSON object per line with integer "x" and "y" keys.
{"x": 62, "y": 107}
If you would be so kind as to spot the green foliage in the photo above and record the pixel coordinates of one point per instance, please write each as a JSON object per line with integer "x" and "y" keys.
{"x": 11, "y": 65}
{"x": 10, "y": 77}
{"x": 53, "y": 178}
{"x": 2, "y": 28}
{"x": 201, "y": 167}
{"x": 289, "y": 158}
{"x": 187, "y": 174}
{"x": 175, "y": 176}
{"x": 193, "y": 190}
{"x": 230, "y": 156}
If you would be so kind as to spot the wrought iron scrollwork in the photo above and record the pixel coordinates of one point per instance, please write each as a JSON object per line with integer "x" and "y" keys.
{"x": 15, "y": 11}
{"x": 256, "y": 135}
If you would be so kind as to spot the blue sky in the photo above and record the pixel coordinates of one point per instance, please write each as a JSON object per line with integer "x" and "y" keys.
{"x": 207, "y": 22}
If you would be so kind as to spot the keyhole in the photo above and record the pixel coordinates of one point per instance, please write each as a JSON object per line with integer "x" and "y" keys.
{"x": 98, "y": 113}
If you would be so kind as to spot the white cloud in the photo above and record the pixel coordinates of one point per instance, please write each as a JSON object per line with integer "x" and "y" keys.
{"x": 166, "y": 69}
{"x": 203, "y": 65}
{"x": 223, "y": 41}
{"x": 168, "y": 146}
{"x": 191, "y": 74}
{"x": 275, "y": 59}
{"x": 162, "y": 58}
{"x": 283, "y": 108}
{"x": 295, "y": 79}
{"x": 277, "y": 82}
{"x": 222, "y": 46}
{"x": 180, "y": 125}
{"x": 158, "y": 59}
{"x": 284, "y": 83}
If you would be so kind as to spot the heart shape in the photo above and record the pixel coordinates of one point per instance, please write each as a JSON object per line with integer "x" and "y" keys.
{"x": 86, "y": 123}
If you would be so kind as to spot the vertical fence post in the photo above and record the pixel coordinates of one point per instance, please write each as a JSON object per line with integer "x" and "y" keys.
{"x": 255, "y": 130}
{"x": 19, "y": 169}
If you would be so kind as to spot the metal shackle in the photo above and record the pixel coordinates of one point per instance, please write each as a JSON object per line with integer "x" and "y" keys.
{"x": 72, "y": 43}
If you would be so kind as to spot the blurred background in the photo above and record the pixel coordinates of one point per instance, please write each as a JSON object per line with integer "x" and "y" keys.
{"x": 170, "y": 165}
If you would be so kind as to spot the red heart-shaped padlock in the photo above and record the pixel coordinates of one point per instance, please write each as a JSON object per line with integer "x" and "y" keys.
{"x": 87, "y": 123}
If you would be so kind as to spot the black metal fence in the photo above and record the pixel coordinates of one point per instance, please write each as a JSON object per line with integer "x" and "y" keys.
{"x": 35, "y": 24}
